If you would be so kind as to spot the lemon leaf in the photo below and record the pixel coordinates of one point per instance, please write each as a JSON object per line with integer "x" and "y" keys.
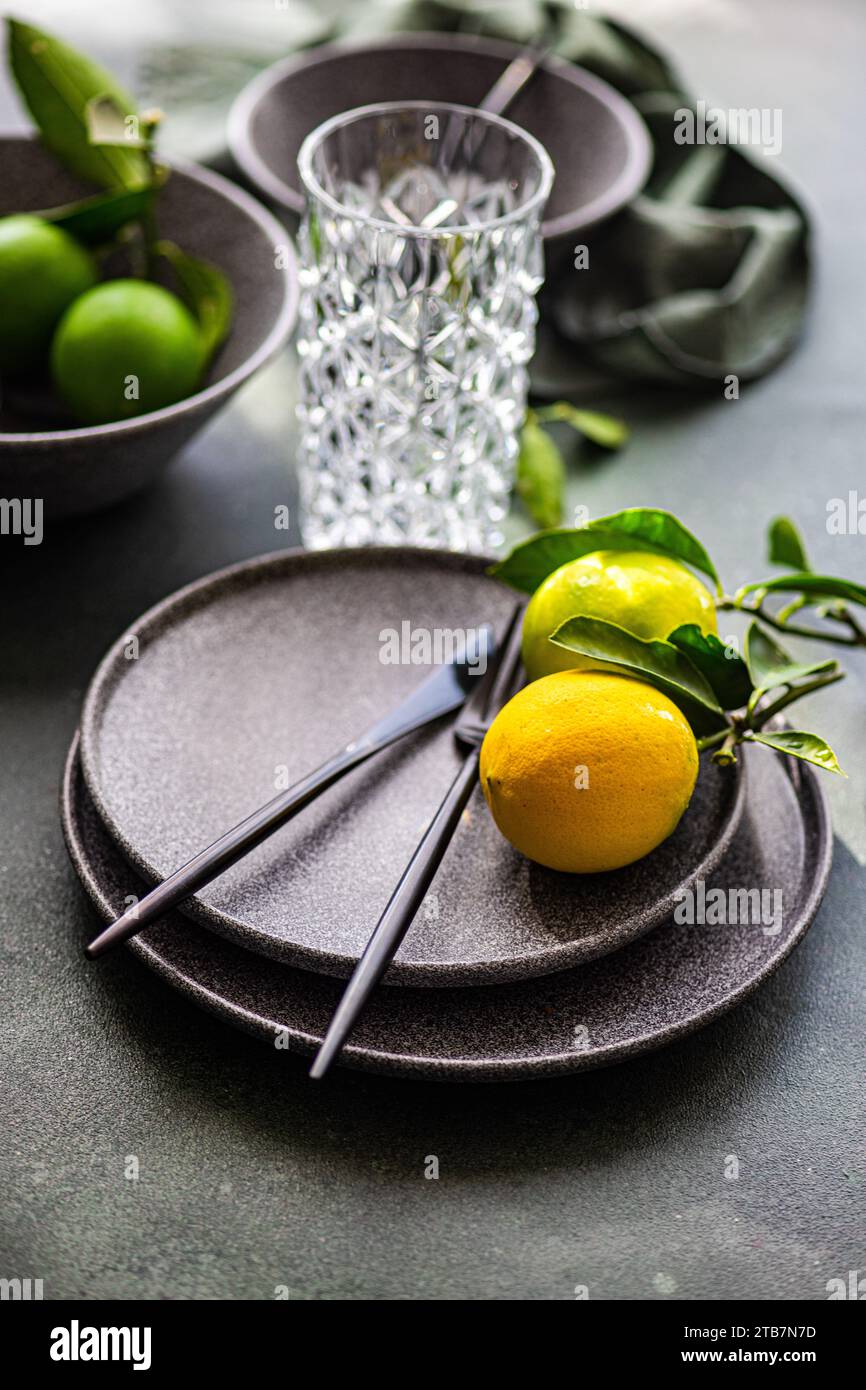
{"x": 206, "y": 290}
{"x": 814, "y": 586}
{"x": 785, "y": 544}
{"x": 770, "y": 666}
{"x": 604, "y": 430}
{"x": 798, "y": 744}
{"x": 97, "y": 219}
{"x": 57, "y": 85}
{"x": 659, "y": 663}
{"x": 637, "y": 528}
{"x": 109, "y": 124}
{"x": 725, "y": 669}
{"x": 540, "y": 479}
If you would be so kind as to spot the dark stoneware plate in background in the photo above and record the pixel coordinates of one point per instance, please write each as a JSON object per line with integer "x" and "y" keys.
{"x": 653, "y": 991}
{"x": 269, "y": 667}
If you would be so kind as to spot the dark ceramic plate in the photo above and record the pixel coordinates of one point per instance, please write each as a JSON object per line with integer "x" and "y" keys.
{"x": 262, "y": 671}
{"x": 655, "y": 990}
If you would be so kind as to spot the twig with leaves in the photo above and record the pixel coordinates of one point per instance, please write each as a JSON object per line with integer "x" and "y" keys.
{"x": 831, "y": 597}
{"x": 729, "y": 698}
{"x": 540, "y": 480}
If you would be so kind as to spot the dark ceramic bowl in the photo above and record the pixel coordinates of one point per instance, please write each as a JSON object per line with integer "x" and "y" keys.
{"x": 598, "y": 143}
{"x": 76, "y": 470}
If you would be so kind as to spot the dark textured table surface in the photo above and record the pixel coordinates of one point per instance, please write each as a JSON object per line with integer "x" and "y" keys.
{"x": 251, "y": 1177}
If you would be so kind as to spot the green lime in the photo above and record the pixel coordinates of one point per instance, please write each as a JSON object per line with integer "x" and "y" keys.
{"x": 124, "y": 348}
{"x": 648, "y": 595}
{"x": 42, "y": 270}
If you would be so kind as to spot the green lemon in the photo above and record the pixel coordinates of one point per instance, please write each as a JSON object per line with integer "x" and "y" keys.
{"x": 649, "y": 595}
{"x": 42, "y": 270}
{"x": 124, "y": 348}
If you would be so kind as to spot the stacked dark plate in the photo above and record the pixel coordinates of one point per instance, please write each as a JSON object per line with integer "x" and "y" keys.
{"x": 241, "y": 683}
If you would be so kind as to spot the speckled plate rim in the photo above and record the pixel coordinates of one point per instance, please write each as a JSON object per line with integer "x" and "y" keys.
{"x": 177, "y": 607}
{"x": 438, "y": 1068}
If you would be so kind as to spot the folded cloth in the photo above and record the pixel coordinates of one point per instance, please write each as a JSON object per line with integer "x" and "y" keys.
{"x": 704, "y": 276}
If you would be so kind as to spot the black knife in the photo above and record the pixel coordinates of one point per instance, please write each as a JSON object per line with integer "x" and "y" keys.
{"x": 441, "y": 693}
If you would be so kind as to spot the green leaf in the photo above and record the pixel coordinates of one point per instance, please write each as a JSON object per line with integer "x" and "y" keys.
{"x": 540, "y": 475}
{"x": 770, "y": 666}
{"x": 791, "y": 608}
{"x": 206, "y": 290}
{"x": 638, "y": 528}
{"x": 57, "y": 84}
{"x": 314, "y": 232}
{"x": 95, "y": 220}
{"x": 786, "y": 545}
{"x": 723, "y": 668}
{"x": 109, "y": 124}
{"x": 659, "y": 663}
{"x": 812, "y": 585}
{"x": 604, "y": 430}
{"x": 809, "y": 747}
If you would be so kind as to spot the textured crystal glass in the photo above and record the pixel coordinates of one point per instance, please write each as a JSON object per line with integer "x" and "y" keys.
{"x": 421, "y": 258}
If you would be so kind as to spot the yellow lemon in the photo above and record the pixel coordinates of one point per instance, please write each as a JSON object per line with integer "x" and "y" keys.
{"x": 649, "y": 595}
{"x": 585, "y": 771}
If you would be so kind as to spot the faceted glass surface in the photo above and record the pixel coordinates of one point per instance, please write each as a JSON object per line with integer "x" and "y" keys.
{"x": 421, "y": 258}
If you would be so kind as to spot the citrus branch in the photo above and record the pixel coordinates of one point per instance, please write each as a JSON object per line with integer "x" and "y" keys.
{"x": 857, "y": 639}
{"x": 760, "y": 717}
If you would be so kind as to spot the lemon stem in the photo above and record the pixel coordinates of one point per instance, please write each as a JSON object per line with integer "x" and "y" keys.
{"x": 763, "y": 716}
{"x": 857, "y": 638}
{"x": 711, "y": 740}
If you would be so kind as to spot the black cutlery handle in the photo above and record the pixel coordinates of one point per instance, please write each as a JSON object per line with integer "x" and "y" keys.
{"x": 230, "y": 847}
{"x": 441, "y": 693}
{"x": 399, "y": 914}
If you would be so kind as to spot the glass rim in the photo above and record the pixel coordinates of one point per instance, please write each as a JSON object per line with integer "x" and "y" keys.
{"x": 316, "y": 137}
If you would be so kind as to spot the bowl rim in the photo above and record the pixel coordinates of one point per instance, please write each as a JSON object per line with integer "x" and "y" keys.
{"x": 628, "y": 183}
{"x": 523, "y": 213}
{"x": 285, "y": 321}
